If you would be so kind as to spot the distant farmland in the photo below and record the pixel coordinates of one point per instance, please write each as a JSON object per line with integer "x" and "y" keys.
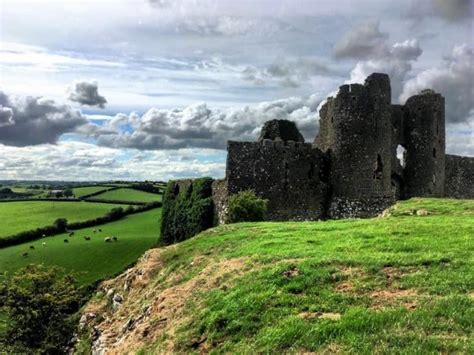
{"x": 22, "y": 216}
{"x": 90, "y": 260}
{"x": 87, "y": 190}
{"x": 131, "y": 195}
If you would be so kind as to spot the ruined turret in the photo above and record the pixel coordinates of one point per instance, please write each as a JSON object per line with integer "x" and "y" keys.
{"x": 280, "y": 130}
{"x": 424, "y": 141}
{"x": 355, "y": 132}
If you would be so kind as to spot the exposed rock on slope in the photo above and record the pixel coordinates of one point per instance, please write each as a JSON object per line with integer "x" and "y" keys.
{"x": 133, "y": 310}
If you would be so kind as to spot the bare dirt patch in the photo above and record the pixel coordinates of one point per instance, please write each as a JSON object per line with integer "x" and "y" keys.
{"x": 390, "y": 297}
{"x": 133, "y": 324}
{"x": 320, "y": 315}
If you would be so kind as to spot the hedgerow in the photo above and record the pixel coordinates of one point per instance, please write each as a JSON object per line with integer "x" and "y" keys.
{"x": 187, "y": 210}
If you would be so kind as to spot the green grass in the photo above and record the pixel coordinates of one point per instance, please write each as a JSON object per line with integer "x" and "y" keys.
{"x": 22, "y": 216}
{"x": 90, "y": 260}
{"x": 87, "y": 190}
{"x": 130, "y": 195}
{"x": 403, "y": 284}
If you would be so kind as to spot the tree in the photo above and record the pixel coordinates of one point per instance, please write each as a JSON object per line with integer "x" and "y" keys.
{"x": 6, "y": 191}
{"x": 68, "y": 193}
{"x": 115, "y": 213}
{"x": 40, "y": 304}
{"x": 61, "y": 224}
{"x": 245, "y": 206}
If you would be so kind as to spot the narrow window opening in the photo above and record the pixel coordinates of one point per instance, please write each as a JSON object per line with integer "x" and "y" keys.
{"x": 434, "y": 152}
{"x": 401, "y": 155}
{"x": 286, "y": 182}
{"x": 378, "y": 168}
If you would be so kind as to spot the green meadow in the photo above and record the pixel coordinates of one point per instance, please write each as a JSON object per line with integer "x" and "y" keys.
{"x": 16, "y": 217}
{"x": 87, "y": 190}
{"x": 130, "y": 195}
{"x": 90, "y": 261}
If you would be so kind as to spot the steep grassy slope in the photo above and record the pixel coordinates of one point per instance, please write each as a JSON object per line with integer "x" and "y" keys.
{"x": 131, "y": 195}
{"x": 26, "y": 215}
{"x": 90, "y": 260}
{"x": 401, "y": 284}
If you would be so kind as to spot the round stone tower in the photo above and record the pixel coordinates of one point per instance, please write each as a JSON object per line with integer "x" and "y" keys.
{"x": 424, "y": 141}
{"x": 356, "y": 131}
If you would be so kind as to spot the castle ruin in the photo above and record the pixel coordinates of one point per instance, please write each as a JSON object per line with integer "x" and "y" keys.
{"x": 352, "y": 168}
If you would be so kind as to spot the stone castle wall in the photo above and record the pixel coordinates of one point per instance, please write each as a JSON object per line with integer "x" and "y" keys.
{"x": 459, "y": 181}
{"x": 356, "y": 132}
{"x": 290, "y": 175}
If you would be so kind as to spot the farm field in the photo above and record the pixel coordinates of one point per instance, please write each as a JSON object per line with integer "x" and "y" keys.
{"x": 131, "y": 195}
{"x": 87, "y": 190}
{"x": 92, "y": 260}
{"x": 400, "y": 284}
{"x": 22, "y": 216}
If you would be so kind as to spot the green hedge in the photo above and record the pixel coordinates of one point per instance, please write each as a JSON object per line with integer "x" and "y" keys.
{"x": 187, "y": 209}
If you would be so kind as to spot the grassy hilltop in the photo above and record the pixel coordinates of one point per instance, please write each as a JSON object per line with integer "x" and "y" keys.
{"x": 404, "y": 283}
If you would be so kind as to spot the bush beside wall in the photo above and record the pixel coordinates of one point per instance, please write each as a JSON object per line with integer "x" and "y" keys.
{"x": 187, "y": 209}
{"x": 245, "y": 206}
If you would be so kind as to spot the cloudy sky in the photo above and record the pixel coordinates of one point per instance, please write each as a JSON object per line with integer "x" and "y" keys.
{"x": 153, "y": 89}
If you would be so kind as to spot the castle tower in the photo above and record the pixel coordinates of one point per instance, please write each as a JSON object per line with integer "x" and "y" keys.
{"x": 424, "y": 141}
{"x": 356, "y": 132}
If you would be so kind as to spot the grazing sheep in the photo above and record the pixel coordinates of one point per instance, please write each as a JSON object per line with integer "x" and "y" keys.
{"x": 114, "y": 239}
{"x": 94, "y": 230}
{"x": 44, "y": 235}
{"x": 87, "y": 238}
{"x": 32, "y": 246}
{"x": 108, "y": 239}
{"x": 44, "y": 244}
{"x": 66, "y": 241}
{"x": 25, "y": 254}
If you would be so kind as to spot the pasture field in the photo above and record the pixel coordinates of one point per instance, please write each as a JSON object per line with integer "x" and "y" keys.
{"x": 16, "y": 217}
{"x": 402, "y": 284}
{"x": 131, "y": 195}
{"x": 87, "y": 190}
{"x": 92, "y": 260}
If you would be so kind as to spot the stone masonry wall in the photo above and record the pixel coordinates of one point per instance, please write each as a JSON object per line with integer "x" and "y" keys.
{"x": 424, "y": 140}
{"x": 220, "y": 197}
{"x": 289, "y": 174}
{"x": 356, "y": 132}
{"x": 459, "y": 181}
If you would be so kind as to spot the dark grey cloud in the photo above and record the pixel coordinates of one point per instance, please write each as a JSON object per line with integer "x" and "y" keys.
{"x": 288, "y": 73}
{"x": 454, "y": 79}
{"x": 449, "y": 10}
{"x": 453, "y": 10}
{"x": 198, "y": 126}
{"x": 363, "y": 41}
{"x": 86, "y": 93}
{"x": 6, "y": 116}
{"x": 35, "y": 120}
